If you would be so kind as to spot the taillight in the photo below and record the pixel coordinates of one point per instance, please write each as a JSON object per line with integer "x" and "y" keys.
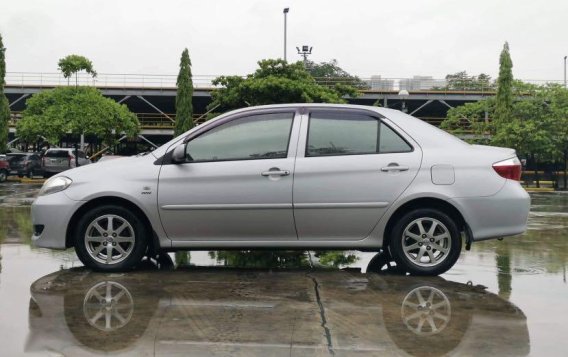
{"x": 509, "y": 169}
{"x": 71, "y": 161}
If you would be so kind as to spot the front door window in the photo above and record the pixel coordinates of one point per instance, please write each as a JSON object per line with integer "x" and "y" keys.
{"x": 263, "y": 136}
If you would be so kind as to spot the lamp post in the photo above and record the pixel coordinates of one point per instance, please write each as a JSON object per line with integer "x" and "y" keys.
{"x": 286, "y": 9}
{"x": 305, "y": 51}
{"x": 565, "y": 71}
{"x": 403, "y": 94}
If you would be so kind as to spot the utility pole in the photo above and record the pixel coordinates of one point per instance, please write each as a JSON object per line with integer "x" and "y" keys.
{"x": 286, "y": 10}
{"x": 565, "y": 71}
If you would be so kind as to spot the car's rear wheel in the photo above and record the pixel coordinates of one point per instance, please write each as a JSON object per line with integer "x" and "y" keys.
{"x": 110, "y": 238}
{"x": 3, "y": 175}
{"x": 425, "y": 242}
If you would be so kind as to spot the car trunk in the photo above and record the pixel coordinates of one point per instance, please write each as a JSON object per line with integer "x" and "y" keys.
{"x": 58, "y": 159}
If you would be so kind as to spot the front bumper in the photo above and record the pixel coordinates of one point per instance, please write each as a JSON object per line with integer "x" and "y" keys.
{"x": 503, "y": 214}
{"x": 53, "y": 212}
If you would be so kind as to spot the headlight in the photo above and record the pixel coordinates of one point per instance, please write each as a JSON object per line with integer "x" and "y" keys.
{"x": 55, "y": 184}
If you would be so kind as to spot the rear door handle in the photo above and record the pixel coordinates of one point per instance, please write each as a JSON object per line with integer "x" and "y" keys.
{"x": 275, "y": 172}
{"x": 394, "y": 168}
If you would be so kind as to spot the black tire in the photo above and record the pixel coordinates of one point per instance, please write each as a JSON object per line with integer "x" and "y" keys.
{"x": 444, "y": 261}
{"x": 3, "y": 175}
{"x": 383, "y": 263}
{"x": 47, "y": 175}
{"x": 140, "y": 235}
{"x": 30, "y": 174}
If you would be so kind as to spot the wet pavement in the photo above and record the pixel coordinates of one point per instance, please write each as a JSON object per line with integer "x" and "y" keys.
{"x": 506, "y": 298}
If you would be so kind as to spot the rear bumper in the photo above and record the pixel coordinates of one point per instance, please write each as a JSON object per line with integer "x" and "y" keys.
{"x": 503, "y": 214}
{"x": 53, "y": 212}
{"x": 55, "y": 169}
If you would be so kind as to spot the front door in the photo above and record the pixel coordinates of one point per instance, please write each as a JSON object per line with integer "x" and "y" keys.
{"x": 236, "y": 183}
{"x": 350, "y": 168}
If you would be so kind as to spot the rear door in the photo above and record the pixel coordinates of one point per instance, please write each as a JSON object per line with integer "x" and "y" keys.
{"x": 350, "y": 168}
{"x": 83, "y": 158}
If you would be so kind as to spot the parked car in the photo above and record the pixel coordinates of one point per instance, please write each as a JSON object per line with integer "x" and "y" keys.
{"x": 61, "y": 159}
{"x": 297, "y": 176}
{"x": 4, "y": 168}
{"x": 25, "y": 164}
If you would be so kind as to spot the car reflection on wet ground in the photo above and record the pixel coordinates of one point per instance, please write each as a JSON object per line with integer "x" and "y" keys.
{"x": 502, "y": 298}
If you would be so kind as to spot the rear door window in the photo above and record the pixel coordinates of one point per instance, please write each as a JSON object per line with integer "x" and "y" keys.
{"x": 341, "y": 133}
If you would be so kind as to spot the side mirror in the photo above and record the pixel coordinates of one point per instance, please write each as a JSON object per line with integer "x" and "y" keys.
{"x": 178, "y": 156}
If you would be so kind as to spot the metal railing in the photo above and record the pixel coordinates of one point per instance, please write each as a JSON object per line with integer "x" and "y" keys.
{"x": 168, "y": 82}
{"x": 102, "y": 80}
{"x": 147, "y": 120}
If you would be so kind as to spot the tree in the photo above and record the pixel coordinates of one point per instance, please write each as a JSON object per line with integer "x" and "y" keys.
{"x": 275, "y": 81}
{"x": 504, "y": 97}
{"x": 4, "y": 105}
{"x": 184, "y": 106}
{"x": 462, "y": 81}
{"x": 82, "y": 110}
{"x": 330, "y": 74}
{"x": 280, "y": 258}
{"x": 73, "y": 64}
{"x": 471, "y": 119}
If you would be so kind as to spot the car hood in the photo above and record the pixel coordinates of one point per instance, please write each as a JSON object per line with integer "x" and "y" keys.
{"x": 107, "y": 169}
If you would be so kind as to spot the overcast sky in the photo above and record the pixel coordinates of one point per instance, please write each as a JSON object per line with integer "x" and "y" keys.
{"x": 388, "y": 38}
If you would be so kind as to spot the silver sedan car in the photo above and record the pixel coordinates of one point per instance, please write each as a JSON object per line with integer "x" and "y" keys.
{"x": 297, "y": 176}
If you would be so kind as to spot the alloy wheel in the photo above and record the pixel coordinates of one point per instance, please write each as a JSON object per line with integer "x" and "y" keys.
{"x": 109, "y": 239}
{"x": 108, "y": 306}
{"x": 426, "y": 311}
{"x": 426, "y": 242}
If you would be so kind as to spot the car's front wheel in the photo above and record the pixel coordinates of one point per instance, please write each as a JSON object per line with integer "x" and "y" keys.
{"x": 3, "y": 175}
{"x": 110, "y": 238}
{"x": 425, "y": 242}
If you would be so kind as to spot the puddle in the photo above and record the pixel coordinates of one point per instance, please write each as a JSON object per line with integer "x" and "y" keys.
{"x": 501, "y": 298}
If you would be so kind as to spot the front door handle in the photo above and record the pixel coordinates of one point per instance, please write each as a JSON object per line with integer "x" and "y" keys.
{"x": 275, "y": 172}
{"x": 394, "y": 168}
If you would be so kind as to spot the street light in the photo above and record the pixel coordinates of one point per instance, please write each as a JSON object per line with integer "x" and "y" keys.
{"x": 286, "y": 9}
{"x": 305, "y": 52}
{"x": 565, "y": 71}
{"x": 403, "y": 94}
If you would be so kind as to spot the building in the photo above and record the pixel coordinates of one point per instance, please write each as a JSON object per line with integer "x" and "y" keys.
{"x": 417, "y": 83}
{"x": 378, "y": 83}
